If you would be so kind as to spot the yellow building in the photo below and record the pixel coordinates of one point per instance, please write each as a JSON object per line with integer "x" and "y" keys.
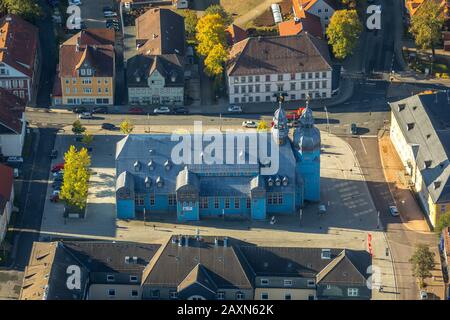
{"x": 87, "y": 68}
{"x": 420, "y": 134}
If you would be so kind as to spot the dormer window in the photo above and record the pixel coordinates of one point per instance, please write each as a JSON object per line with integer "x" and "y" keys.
{"x": 151, "y": 165}
{"x": 410, "y": 126}
{"x": 148, "y": 182}
{"x": 401, "y": 106}
{"x": 326, "y": 254}
{"x": 270, "y": 182}
{"x": 278, "y": 181}
{"x": 168, "y": 164}
{"x": 437, "y": 184}
{"x": 159, "y": 182}
{"x": 285, "y": 181}
{"x": 427, "y": 164}
{"x": 137, "y": 166}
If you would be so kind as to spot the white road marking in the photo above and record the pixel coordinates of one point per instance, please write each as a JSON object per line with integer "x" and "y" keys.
{"x": 362, "y": 143}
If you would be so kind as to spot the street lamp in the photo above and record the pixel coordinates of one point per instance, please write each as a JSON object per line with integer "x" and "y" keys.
{"x": 328, "y": 120}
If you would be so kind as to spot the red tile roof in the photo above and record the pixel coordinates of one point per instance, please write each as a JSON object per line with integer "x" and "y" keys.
{"x": 301, "y": 6}
{"x": 11, "y": 109}
{"x": 91, "y": 37}
{"x": 310, "y": 24}
{"x": 6, "y": 181}
{"x": 19, "y": 41}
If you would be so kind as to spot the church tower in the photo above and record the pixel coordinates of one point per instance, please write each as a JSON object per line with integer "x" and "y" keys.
{"x": 280, "y": 129}
{"x": 307, "y": 143}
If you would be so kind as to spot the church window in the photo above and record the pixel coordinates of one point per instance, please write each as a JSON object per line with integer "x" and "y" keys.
{"x": 236, "y": 203}
{"x": 216, "y": 203}
{"x": 227, "y": 203}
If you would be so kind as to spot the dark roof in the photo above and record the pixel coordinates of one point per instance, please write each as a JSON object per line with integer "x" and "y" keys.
{"x": 424, "y": 120}
{"x": 235, "y": 34}
{"x": 91, "y": 37}
{"x": 140, "y": 67}
{"x": 11, "y": 110}
{"x": 279, "y": 54}
{"x": 222, "y": 266}
{"x": 160, "y": 31}
{"x": 6, "y": 182}
{"x": 19, "y": 41}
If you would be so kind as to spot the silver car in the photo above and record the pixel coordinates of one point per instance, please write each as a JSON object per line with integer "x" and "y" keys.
{"x": 393, "y": 211}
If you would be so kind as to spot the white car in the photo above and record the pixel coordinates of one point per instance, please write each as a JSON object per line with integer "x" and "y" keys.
{"x": 393, "y": 211}
{"x": 423, "y": 295}
{"x": 235, "y": 109}
{"x": 110, "y": 14}
{"x": 75, "y": 3}
{"x": 85, "y": 115}
{"x": 161, "y": 110}
{"x": 14, "y": 160}
{"x": 249, "y": 124}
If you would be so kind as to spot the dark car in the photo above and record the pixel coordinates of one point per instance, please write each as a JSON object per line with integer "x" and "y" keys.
{"x": 180, "y": 110}
{"x": 354, "y": 129}
{"x": 79, "y": 109}
{"x": 58, "y": 178}
{"x": 108, "y": 126}
{"x": 57, "y": 185}
{"x": 136, "y": 110}
{"x": 103, "y": 110}
{"x": 54, "y": 154}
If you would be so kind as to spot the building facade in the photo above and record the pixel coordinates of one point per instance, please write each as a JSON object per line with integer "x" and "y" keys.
{"x": 419, "y": 134}
{"x": 324, "y": 9}
{"x": 87, "y": 68}
{"x": 6, "y": 198}
{"x": 19, "y": 57}
{"x": 12, "y": 124}
{"x": 249, "y": 184}
{"x": 260, "y": 69}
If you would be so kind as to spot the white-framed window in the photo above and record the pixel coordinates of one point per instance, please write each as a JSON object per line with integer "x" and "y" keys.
{"x": 311, "y": 283}
{"x": 133, "y": 279}
{"x": 173, "y": 295}
{"x": 240, "y": 296}
{"x": 110, "y": 278}
{"x": 352, "y": 292}
{"x": 287, "y": 296}
{"x": 264, "y": 296}
{"x": 288, "y": 283}
{"x": 220, "y": 295}
{"x": 134, "y": 293}
{"x": 112, "y": 292}
{"x": 264, "y": 282}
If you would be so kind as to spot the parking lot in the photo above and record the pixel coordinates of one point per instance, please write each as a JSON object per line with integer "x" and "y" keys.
{"x": 92, "y": 12}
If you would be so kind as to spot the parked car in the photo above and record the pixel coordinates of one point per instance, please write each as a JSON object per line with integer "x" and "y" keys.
{"x": 58, "y": 167}
{"x": 85, "y": 115}
{"x": 109, "y": 14}
{"x": 249, "y": 124}
{"x": 16, "y": 173}
{"x": 56, "y": 185}
{"x": 54, "y": 154}
{"x": 393, "y": 211}
{"x": 103, "y": 110}
{"x": 235, "y": 109}
{"x": 14, "y": 160}
{"x": 55, "y": 196}
{"x": 108, "y": 126}
{"x": 79, "y": 109}
{"x": 180, "y": 110}
{"x": 75, "y": 3}
{"x": 161, "y": 110}
{"x": 136, "y": 110}
{"x": 59, "y": 173}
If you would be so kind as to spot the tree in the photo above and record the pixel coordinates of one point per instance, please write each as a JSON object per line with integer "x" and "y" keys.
{"x": 126, "y": 127}
{"x": 343, "y": 32}
{"x": 215, "y": 60}
{"x": 442, "y": 223}
{"x": 76, "y": 177}
{"x": 87, "y": 138}
{"x": 77, "y": 127}
{"x": 423, "y": 262}
{"x": 217, "y": 8}
{"x": 262, "y": 126}
{"x": 190, "y": 23}
{"x": 27, "y": 9}
{"x": 427, "y": 24}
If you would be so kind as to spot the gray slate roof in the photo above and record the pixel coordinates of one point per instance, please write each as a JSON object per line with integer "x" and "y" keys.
{"x": 215, "y": 178}
{"x": 424, "y": 120}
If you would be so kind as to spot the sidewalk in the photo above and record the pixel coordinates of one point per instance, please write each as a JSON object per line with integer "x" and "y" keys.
{"x": 394, "y": 172}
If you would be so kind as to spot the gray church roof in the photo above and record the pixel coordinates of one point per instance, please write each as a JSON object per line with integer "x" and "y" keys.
{"x": 424, "y": 120}
{"x": 134, "y": 152}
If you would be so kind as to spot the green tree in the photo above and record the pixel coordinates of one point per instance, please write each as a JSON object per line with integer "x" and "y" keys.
{"x": 442, "y": 223}
{"x": 343, "y": 32}
{"x": 262, "y": 126}
{"x": 126, "y": 127}
{"x": 422, "y": 263}
{"x": 76, "y": 177}
{"x": 190, "y": 23}
{"x": 27, "y": 9}
{"x": 217, "y": 8}
{"x": 427, "y": 24}
{"x": 87, "y": 138}
{"x": 77, "y": 127}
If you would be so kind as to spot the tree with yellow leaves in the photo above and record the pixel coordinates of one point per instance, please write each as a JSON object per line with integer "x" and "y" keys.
{"x": 262, "y": 126}
{"x": 76, "y": 177}
{"x": 126, "y": 127}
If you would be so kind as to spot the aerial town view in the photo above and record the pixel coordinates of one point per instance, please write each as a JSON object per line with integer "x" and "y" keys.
{"x": 224, "y": 150}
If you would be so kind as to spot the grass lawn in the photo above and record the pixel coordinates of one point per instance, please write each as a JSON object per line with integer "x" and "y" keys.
{"x": 241, "y": 7}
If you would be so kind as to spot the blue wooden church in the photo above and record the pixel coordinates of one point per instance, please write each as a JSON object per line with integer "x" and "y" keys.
{"x": 148, "y": 178}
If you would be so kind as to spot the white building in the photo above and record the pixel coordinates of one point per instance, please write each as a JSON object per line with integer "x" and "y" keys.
{"x": 6, "y": 198}
{"x": 12, "y": 124}
{"x": 320, "y": 8}
{"x": 262, "y": 67}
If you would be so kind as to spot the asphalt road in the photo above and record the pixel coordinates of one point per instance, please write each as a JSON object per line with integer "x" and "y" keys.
{"x": 32, "y": 198}
{"x": 401, "y": 240}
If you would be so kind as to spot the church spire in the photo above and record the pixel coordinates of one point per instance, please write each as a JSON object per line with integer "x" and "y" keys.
{"x": 280, "y": 129}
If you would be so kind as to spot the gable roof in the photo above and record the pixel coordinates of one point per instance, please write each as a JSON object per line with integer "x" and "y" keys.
{"x": 424, "y": 121}
{"x": 11, "y": 110}
{"x": 92, "y": 37}
{"x": 349, "y": 267}
{"x": 310, "y": 24}
{"x": 19, "y": 41}
{"x": 160, "y": 31}
{"x": 198, "y": 275}
{"x": 302, "y": 6}
{"x": 235, "y": 34}
{"x": 279, "y": 54}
